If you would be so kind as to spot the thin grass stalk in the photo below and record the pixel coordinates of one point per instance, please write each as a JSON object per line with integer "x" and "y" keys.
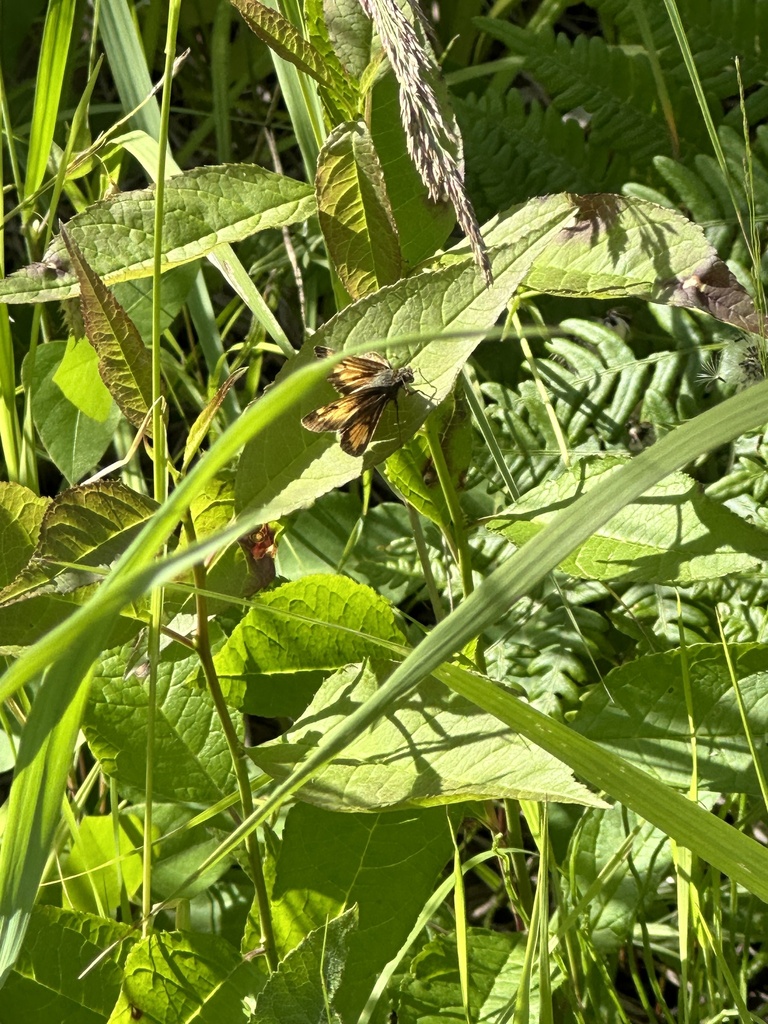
{"x": 159, "y": 453}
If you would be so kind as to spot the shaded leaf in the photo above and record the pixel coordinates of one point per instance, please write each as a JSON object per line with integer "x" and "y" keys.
{"x": 403, "y": 851}
{"x": 58, "y": 946}
{"x": 125, "y": 364}
{"x": 673, "y": 533}
{"x": 438, "y": 748}
{"x": 89, "y": 525}
{"x": 21, "y": 513}
{"x": 641, "y": 713}
{"x": 301, "y": 628}
{"x": 353, "y": 208}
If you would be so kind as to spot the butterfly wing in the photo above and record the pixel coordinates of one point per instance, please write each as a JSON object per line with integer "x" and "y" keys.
{"x": 354, "y": 416}
{"x": 359, "y": 373}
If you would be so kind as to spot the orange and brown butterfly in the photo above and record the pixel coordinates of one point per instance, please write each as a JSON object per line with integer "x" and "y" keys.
{"x": 367, "y": 384}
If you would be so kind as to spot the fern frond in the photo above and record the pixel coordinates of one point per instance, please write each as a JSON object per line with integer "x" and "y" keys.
{"x": 512, "y": 153}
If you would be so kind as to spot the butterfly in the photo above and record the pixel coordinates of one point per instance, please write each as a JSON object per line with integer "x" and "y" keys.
{"x": 367, "y": 384}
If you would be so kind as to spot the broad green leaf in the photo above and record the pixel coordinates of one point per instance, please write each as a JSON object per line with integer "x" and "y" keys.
{"x": 619, "y": 246}
{"x": 386, "y": 864}
{"x": 284, "y": 38}
{"x": 174, "y": 978}
{"x": 125, "y": 364}
{"x": 177, "y": 848}
{"x": 431, "y": 992}
{"x": 354, "y": 211}
{"x": 423, "y": 226}
{"x": 78, "y": 378}
{"x": 45, "y": 983}
{"x": 192, "y": 761}
{"x": 90, "y": 525}
{"x": 438, "y": 749}
{"x": 73, "y": 440}
{"x": 641, "y": 713}
{"x": 295, "y": 631}
{"x": 21, "y": 513}
{"x": 674, "y": 533}
{"x": 201, "y": 209}
{"x": 304, "y": 987}
{"x": 95, "y": 867}
{"x": 350, "y": 32}
{"x": 340, "y": 91}
{"x": 433, "y": 322}
{"x": 623, "y": 895}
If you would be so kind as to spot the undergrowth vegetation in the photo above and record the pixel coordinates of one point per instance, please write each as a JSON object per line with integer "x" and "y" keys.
{"x": 383, "y": 516}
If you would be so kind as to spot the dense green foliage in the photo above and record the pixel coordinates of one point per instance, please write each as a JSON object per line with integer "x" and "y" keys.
{"x": 467, "y": 725}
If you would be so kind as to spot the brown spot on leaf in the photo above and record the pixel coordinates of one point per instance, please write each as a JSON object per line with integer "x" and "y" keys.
{"x": 713, "y": 288}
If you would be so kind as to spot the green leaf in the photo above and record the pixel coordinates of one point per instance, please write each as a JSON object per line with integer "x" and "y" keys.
{"x": 431, "y": 992}
{"x": 192, "y": 761}
{"x": 301, "y": 627}
{"x": 674, "y": 533}
{"x": 423, "y": 226}
{"x": 173, "y": 978}
{"x": 438, "y": 749}
{"x": 350, "y": 31}
{"x": 21, "y": 513}
{"x": 304, "y": 987}
{"x": 641, "y": 713}
{"x": 94, "y": 523}
{"x": 284, "y": 38}
{"x": 73, "y": 440}
{"x": 618, "y": 246}
{"x": 78, "y": 379}
{"x": 125, "y": 365}
{"x": 353, "y": 208}
{"x": 59, "y": 945}
{"x": 92, "y": 863}
{"x": 413, "y": 472}
{"x": 404, "y": 852}
{"x": 201, "y": 209}
{"x": 618, "y": 899}
{"x": 445, "y": 312}
{"x": 89, "y": 525}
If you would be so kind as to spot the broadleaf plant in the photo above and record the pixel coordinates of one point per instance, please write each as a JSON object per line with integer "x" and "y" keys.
{"x": 468, "y": 725}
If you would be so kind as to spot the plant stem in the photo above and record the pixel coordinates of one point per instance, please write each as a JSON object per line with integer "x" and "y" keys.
{"x": 239, "y": 759}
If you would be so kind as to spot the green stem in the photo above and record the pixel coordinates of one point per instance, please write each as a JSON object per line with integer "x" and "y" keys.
{"x": 458, "y": 541}
{"x": 426, "y": 565}
{"x": 238, "y": 756}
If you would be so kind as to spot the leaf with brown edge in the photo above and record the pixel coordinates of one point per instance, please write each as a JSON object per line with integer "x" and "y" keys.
{"x": 202, "y": 424}
{"x": 712, "y": 287}
{"x": 283, "y": 37}
{"x": 125, "y": 365}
